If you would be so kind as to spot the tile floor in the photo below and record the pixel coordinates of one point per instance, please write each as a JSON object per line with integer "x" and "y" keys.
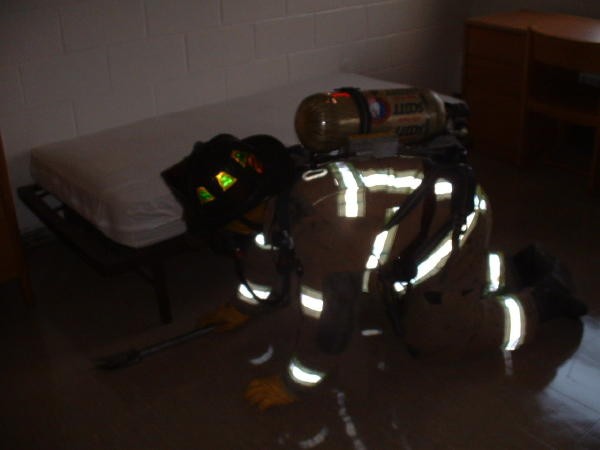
{"x": 544, "y": 396}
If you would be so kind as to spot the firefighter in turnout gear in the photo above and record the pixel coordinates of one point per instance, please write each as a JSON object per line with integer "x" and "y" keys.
{"x": 406, "y": 237}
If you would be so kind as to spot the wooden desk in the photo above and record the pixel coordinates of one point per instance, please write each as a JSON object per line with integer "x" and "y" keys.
{"x": 494, "y": 73}
{"x": 12, "y": 259}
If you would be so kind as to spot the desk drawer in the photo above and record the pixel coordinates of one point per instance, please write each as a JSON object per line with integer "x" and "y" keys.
{"x": 497, "y": 45}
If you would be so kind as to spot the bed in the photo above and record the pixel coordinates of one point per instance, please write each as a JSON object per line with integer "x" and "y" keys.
{"x": 102, "y": 194}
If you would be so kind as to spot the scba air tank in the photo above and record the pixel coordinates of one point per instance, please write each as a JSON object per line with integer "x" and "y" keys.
{"x": 325, "y": 121}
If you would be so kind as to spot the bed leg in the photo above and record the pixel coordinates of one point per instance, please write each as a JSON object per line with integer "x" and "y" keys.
{"x": 159, "y": 280}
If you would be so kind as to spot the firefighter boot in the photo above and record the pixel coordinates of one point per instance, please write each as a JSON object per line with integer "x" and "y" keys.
{"x": 532, "y": 264}
{"x": 553, "y": 299}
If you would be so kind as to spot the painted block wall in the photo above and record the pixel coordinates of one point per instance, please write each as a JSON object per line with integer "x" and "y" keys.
{"x": 74, "y": 67}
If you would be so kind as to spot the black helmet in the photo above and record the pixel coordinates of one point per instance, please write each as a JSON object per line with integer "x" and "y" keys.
{"x": 225, "y": 177}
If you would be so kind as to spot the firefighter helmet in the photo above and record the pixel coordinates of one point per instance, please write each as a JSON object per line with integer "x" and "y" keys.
{"x": 225, "y": 177}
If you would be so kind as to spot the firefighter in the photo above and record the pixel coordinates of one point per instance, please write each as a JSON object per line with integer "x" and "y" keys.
{"x": 338, "y": 239}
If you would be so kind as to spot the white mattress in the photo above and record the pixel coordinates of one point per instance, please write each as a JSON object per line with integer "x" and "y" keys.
{"x": 112, "y": 178}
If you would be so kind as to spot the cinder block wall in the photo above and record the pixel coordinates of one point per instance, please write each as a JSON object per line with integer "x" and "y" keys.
{"x": 73, "y": 67}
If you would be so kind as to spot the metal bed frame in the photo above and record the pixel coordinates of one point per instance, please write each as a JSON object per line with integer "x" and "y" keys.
{"x": 104, "y": 255}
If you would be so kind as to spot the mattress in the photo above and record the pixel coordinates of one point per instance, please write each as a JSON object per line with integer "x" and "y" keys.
{"x": 112, "y": 178}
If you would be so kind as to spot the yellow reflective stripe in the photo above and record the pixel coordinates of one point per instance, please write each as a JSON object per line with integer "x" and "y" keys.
{"x": 434, "y": 261}
{"x": 438, "y": 257}
{"x": 371, "y": 332}
{"x": 365, "y": 281}
{"x": 303, "y": 375}
{"x": 495, "y": 272}
{"x": 382, "y": 247}
{"x": 443, "y": 189}
{"x": 262, "y": 292}
{"x": 311, "y": 301}
{"x": 351, "y": 198}
{"x": 390, "y": 180}
{"x": 261, "y": 242}
{"x": 514, "y": 323}
{"x": 349, "y": 203}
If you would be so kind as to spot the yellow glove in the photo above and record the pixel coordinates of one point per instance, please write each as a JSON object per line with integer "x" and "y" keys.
{"x": 268, "y": 392}
{"x": 225, "y": 317}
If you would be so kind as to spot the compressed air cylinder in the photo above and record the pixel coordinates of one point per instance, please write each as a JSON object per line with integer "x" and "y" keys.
{"x": 325, "y": 121}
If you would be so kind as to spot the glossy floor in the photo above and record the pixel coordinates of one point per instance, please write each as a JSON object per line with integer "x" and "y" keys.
{"x": 544, "y": 396}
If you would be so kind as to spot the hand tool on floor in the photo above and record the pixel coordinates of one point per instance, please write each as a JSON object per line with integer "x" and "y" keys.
{"x": 134, "y": 356}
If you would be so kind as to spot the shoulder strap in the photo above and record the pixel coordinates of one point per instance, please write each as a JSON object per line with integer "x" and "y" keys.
{"x": 361, "y": 105}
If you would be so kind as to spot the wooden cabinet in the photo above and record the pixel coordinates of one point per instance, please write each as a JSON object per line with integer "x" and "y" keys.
{"x": 493, "y": 85}
{"x": 12, "y": 260}
{"x": 495, "y": 75}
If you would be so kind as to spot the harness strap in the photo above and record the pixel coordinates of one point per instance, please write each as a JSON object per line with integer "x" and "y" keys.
{"x": 286, "y": 258}
{"x": 361, "y": 105}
